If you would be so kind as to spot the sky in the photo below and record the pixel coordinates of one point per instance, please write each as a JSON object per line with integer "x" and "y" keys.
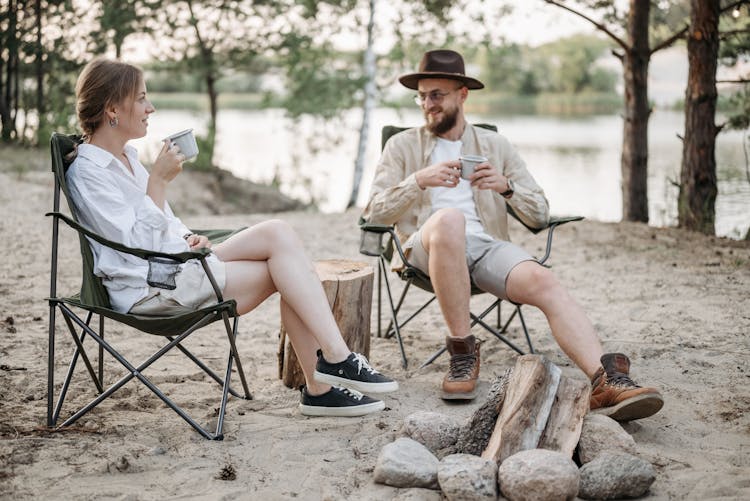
{"x": 535, "y": 23}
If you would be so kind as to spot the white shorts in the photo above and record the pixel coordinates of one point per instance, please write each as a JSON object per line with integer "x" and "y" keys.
{"x": 193, "y": 291}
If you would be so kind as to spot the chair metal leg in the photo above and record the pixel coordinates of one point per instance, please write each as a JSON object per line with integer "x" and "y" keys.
{"x": 101, "y": 350}
{"x": 397, "y": 309}
{"x": 137, "y": 373}
{"x": 381, "y": 272}
{"x": 69, "y": 376}
{"x": 232, "y": 335}
{"x": 404, "y": 361}
{"x": 498, "y": 335}
{"x": 210, "y": 372}
{"x": 525, "y": 330}
{"x": 79, "y": 345}
{"x": 51, "y": 366}
{"x": 433, "y": 357}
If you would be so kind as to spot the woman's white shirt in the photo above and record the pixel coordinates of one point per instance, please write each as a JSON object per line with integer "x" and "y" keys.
{"x": 113, "y": 203}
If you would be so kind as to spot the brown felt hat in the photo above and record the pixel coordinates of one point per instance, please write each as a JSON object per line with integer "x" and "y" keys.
{"x": 440, "y": 64}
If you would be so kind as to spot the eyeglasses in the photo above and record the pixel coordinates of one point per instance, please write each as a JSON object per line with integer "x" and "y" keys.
{"x": 435, "y": 96}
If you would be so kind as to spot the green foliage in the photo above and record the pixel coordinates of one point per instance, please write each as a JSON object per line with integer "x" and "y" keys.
{"x": 37, "y": 70}
{"x": 739, "y": 103}
{"x": 320, "y": 80}
{"x": 204, "y": 160}
{"x": 586, "y": 103}
{"x": 566, "y": 66}
{"x": 119, "y": 19}
{"x": 735, "y": 49}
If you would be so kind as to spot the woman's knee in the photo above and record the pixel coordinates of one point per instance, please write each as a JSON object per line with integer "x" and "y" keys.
{"x": 278, "y": 232}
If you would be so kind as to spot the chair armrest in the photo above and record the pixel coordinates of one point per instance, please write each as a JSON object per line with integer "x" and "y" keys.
{"x": 380, "y": 230}
{"x": 558, "y": 220}
{"x": 141, "y": 253}
{"x": 376, "y": 228}
{"x": 217, "y": 236}
{"x": 553, "y": 220}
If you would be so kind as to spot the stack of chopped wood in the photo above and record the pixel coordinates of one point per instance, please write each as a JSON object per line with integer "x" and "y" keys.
{"x": 535, "y": 407}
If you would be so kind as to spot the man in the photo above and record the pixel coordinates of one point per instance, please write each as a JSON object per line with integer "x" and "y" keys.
{"x": 455, "y": 230}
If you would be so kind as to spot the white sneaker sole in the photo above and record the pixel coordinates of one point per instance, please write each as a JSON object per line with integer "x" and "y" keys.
{"x": 350, "y": 411}
{"x": 360, "y": 386}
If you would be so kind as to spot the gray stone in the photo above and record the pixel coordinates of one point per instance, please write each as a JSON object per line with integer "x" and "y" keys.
{"x": 538, "y": 475}
{"x": 433, "y": 430}
{"x": 417, "y": 495}
{"x": 466, "y": 477}
{"x": 601, "y": 433}
{"x": 616, "y": 475}
{"x": 406, "y": 463}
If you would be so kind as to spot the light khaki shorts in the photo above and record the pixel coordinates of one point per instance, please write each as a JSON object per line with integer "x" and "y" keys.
{"x": 193, "y": 291}
{"x": 490, "y": 261}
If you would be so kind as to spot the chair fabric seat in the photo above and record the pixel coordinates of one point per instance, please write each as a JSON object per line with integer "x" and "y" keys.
{"x": 158, "y": 326}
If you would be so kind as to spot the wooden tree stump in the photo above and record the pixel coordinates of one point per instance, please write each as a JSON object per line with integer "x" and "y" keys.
{"x": 348, "y": 286}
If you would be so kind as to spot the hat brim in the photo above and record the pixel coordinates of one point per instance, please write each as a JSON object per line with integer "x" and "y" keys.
{"x": 411, "y": 81}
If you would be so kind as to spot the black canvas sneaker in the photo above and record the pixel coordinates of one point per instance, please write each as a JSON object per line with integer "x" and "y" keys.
{"x": 338, "y": 402}
{"x": 354, "y": 372}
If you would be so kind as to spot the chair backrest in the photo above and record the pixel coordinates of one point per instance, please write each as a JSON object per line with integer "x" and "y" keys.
{"x": 391, "y": 130}
{"x": 62, "y": 149}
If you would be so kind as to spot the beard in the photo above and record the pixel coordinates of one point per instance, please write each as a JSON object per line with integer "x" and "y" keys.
{"x": 450, "y": 117}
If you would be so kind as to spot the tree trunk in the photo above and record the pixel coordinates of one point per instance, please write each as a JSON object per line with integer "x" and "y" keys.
{"x": 634, "y": 160}
{"x": 213, "y": 107}
{"x": 6, "y": 98}
{"x": 41, "y": 109}
{"x": 369, "y": 103}
{"x": 209, "y": 73}
{"x": 696, "y": 205}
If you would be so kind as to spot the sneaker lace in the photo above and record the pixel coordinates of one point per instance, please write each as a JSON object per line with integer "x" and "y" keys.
{"x": 461, "y": 365}
{"x": 352, "y": 393}
{"x": 362, "y": 363}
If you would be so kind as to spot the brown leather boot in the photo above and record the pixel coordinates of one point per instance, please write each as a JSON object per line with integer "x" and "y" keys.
{"x": 460, "y": 383}
{"x": 614, "y": 394}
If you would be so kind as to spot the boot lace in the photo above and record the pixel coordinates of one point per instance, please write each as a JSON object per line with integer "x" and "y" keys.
{"x": 621, "y": 380}
{"x": 461, "y": 366}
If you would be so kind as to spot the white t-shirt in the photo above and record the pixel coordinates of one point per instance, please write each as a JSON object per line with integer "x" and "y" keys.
{"x": 460, "y": 196}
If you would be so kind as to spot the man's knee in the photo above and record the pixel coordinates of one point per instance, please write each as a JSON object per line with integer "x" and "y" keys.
{"x": 533, "y": 282}
{"x": 446, "y": 228}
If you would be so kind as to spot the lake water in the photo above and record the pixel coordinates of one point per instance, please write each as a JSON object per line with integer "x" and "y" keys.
{"x": 576, "y": 160}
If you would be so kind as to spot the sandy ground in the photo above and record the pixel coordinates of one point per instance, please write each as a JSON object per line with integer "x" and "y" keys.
{"x": 677, "y": 303}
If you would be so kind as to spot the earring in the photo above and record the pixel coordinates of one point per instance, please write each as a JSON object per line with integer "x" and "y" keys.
{"x": 113, "y": 122}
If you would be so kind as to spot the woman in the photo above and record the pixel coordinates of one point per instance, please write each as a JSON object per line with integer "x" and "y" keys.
{"x": 115, "y": 196}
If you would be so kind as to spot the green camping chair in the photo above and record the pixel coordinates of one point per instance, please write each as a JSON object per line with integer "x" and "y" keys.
{"x": 380, "y": 241}
{"x": 93, "y": 300}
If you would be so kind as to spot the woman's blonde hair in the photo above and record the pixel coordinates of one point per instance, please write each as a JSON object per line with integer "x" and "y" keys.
{"x": 101, "y": 84}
